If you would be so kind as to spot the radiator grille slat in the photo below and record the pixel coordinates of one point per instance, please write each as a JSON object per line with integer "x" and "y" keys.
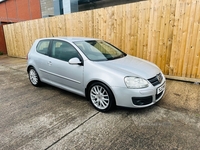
{"x": 156, "y": 80}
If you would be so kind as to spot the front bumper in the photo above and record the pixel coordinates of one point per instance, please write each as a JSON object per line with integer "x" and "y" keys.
{"x": 138, "y": 98}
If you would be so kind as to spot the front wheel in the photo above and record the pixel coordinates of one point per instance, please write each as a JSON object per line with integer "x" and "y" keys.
{"x": 34, "y": 77}
{"x": 101, "y": 97}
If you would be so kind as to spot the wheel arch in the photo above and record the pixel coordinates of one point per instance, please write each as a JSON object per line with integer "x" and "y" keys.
{"x": 29, "y": 67}
{"x": 97, "y": 81}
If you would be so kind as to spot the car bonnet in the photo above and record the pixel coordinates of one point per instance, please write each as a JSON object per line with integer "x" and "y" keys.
{"x": 132, "y": 66}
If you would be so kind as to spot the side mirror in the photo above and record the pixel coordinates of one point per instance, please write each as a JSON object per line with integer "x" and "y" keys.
{"x": 75, "y": 61}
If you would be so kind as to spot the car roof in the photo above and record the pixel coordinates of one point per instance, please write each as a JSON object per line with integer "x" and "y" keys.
{"x": 71, "y": 39}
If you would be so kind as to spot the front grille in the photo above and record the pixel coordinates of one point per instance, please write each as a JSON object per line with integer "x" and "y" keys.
{"x": 156, "y": 80}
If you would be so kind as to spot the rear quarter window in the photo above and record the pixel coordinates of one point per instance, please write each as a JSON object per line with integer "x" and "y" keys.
{"x": 42, "y": 47}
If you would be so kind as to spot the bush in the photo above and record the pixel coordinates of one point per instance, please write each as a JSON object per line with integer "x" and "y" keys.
{"x": 1, "y": 53}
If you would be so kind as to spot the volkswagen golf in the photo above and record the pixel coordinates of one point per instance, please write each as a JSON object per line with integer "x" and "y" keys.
{"x": 97, "y": 70}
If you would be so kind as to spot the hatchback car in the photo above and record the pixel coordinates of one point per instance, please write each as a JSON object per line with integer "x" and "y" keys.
{"x": 97, "y": 70}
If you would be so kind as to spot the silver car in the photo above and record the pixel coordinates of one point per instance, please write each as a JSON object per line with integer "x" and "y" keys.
{"x": 97, "y": 70}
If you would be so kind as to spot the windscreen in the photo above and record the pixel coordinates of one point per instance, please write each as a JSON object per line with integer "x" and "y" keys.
{"x": 99, "y": 50}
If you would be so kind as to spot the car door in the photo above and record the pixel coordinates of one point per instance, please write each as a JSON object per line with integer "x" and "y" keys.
{"x": 61, "y": 73}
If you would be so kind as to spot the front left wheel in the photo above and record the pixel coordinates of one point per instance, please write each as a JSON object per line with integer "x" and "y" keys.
{"x": 34, "y": 77}
{"x": 101, "y": 97}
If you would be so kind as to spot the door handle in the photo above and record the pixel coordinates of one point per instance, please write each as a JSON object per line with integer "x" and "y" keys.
{"x": 50, "y": 63}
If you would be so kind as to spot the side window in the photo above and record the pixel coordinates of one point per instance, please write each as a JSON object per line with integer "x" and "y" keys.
{"x": 42, "y": 47}
{"x": 63, "y": 51}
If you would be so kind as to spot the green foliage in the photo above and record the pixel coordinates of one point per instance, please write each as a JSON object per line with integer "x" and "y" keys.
{"x": 1, "y": 53}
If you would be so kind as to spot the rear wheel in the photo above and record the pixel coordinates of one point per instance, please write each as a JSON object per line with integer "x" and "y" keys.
{"x": 101, "y": 97}
{"x": 34, "y": 77}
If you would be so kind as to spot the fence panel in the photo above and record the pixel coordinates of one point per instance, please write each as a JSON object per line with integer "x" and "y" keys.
{"x": 165, "y": 32}
{"x": 185, "y": 48}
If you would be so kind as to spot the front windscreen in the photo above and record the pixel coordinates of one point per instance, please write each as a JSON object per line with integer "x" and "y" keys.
{"x": 99, "y": 50}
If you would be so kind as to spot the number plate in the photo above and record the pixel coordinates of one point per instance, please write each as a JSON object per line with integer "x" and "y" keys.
{"x": 160, "y": 89}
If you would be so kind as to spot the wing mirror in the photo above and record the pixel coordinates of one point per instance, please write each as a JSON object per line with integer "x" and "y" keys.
{"x": 75, "y": 61}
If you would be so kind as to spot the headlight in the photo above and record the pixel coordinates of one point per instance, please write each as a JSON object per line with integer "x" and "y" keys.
{"x": 135, "y": 82}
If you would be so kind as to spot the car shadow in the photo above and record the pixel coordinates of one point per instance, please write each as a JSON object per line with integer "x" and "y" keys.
{"x": 134, "y": 110}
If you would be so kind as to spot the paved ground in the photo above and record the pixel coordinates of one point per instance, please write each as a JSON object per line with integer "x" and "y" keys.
{"x": 49, "y": 118}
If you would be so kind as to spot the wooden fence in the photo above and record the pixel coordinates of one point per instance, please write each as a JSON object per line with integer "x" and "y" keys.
{"x": 166, "y": 32}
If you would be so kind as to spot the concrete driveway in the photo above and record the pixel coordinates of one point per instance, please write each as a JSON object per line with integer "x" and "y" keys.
{"x": 49, "y": 118}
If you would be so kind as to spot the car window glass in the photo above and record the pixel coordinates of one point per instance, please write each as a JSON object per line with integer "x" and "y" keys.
{"x": 99, "y": 50}
{"x": 42, "y": 47}
{"x": 63, "y": 51}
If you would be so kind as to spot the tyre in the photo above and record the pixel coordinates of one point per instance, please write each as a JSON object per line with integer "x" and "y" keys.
{"x": 101, "y": 97}
{"x": 34, "y": 77}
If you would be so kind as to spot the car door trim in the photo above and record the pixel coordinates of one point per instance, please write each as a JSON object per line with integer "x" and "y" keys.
{"x": 60, "y": 76}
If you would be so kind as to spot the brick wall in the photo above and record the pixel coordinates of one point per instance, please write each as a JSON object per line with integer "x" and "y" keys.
{"x": 19, "y": 10}
{"x": 16, "y": 11}
{"x": 2, "y": 41}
